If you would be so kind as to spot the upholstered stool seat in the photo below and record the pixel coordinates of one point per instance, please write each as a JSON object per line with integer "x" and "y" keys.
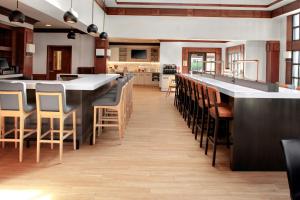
{"x": 224, "y": 112}
{"x": 52, "y": 104}
{"x": 13, "y": 103}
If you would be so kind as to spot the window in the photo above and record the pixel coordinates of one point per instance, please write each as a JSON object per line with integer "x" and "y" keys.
{"x": 296, "y": 27}
{"x": 295, "y": 69}
{"x": 236, "y": 68}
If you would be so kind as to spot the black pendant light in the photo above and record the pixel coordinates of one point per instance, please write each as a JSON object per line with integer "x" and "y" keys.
{"x": 103, "y": 35}
{"x": 92, "y": 29}
{"x": 71, "y": 35}
{"x": 71, "y": 16}
{"x": 16, "y": 15}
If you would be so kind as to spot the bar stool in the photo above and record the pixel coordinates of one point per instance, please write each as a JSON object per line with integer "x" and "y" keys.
{"x": 13, "y": 103}
{"x": 114, "y": 103}
{"x": 171, "y": 86}
{"x": 51, "y": 104}
{"x": 218, "y": 112}
{"x": 203, "y": 108}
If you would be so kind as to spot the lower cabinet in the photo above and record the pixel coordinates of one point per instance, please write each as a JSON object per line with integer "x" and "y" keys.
{"x": 144, "y": 79}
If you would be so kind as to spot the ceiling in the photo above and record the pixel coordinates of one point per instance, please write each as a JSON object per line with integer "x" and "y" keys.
{"x": 200, "y": 4}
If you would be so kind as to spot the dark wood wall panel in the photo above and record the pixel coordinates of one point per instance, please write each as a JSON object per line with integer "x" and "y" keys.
{"x": 101, "y": 62}
{"x": 188, "y": 12}
{"x": 273, "y": 58}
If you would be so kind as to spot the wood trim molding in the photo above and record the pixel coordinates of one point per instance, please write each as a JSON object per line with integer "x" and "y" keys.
{"x": 187, "y": 50}
{"x": 286, "y": 9}
{"x": 234, "y": 49}
{"x": 273, "y": 59}
{"x": 140, "y": 3}
{"x": 188, "y": 12}
{"x": 101, "y": 4}
{"x": 6, "y": 12}
{"x": 201, "y": 41}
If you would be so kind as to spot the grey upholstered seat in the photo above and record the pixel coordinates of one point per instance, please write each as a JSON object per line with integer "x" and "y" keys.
{"x": 50, "y": 103}
{"x": 10, "y": 101}
{"x": 111, "y": 99}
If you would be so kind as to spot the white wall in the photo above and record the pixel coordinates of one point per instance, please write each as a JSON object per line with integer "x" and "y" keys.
{"x": 255, "y": 50}
{"x": 171, "y": 52}
{"x": 82, "y": 50}
{"x": 191, "y": 28}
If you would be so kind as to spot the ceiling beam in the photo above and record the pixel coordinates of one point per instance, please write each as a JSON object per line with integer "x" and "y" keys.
{"x": 141, "y": 3}
{"x": 286, "y": 8}
{"x": 188, "y": 12}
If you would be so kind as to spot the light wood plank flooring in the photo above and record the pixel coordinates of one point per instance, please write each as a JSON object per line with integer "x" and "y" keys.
{"x": 158, "y": 160}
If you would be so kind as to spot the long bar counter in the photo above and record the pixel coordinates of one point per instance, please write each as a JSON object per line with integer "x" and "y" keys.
{"x": 81, "y": 92}
{"x": 261, "y": 120}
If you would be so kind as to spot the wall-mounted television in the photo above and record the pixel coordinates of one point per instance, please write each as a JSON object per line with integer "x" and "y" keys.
{"x": 4, "y": 63}
{"x": 138, "y": 54}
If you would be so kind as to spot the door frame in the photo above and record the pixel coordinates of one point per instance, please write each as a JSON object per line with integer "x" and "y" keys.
{"x": 190, "y": 55}
{"x": 48, "y": 57}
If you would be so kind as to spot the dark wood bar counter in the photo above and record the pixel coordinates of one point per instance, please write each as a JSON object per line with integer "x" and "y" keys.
{"x": 261, "y": 120}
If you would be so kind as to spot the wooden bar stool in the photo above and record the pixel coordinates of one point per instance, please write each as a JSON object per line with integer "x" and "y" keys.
{"x": 13, "y": 104}
{"x": 218, "y": 112}
{"x": 115, "y": 104}
{"x": 51, "y": 104}
{"x": 202, "y": 112}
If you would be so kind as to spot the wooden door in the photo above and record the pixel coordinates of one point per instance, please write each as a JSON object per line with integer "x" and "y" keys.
{"x": 59, "y": 61}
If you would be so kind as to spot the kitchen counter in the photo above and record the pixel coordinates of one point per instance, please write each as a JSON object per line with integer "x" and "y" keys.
{"x": 261, "y": 120}
{"x": 237, "y": 91}
{"x": 84, "y": 82}
{"x": 11, "y": 76}
{"x": 81, "y": 92}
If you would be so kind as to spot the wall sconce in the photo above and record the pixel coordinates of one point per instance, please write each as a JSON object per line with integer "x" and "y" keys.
{"x": 288, "y": 54}
{"x": 184, "y": 62}
{"x": 101, "y": 52}
{"x": 30, "y": 48}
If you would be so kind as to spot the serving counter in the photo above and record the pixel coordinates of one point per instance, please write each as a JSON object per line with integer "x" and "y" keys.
{"x": 80, "y": 92}
{"x": 261, "y": 121}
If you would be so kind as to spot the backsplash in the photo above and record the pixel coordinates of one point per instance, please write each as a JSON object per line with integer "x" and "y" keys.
{"x": 133, "y": 66}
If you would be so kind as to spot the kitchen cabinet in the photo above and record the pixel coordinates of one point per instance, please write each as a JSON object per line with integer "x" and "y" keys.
{"x": 144, "y": 78}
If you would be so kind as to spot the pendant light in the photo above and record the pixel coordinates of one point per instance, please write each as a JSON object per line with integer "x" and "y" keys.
{"x": 103, "y": 35}
{"x": 92, "y": 29}
{"x": 71, "y": 16}
{"x": 16, "y": 15}
{"x": 71, "y": 35}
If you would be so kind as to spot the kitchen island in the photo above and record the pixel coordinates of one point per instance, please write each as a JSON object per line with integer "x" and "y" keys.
{"x": 261, "y": 121}
{"x": 81, "y": 92}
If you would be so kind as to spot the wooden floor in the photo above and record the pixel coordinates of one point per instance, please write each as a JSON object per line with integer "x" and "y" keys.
{"x": 159, "y": 159}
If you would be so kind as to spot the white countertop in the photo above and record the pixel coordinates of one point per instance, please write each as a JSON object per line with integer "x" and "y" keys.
{"x": 237, "y": 91}
{"x": 11, "y": 76}
{"x": 83, "y": 82}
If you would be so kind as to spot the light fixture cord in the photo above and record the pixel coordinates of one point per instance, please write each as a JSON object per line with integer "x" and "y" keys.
{"x": 103, "y": 16}
{"x": 17, "y": 4}
{"x": 93, "y": 11}
{"x": 71, "y": 3}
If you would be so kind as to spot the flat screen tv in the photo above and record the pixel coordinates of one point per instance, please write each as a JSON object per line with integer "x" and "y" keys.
{"x": 3, "y": 63}
{"x": 138, "y": 54}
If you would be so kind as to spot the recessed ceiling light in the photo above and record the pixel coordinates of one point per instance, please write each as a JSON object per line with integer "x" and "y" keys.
{"x": 48, "y": 25}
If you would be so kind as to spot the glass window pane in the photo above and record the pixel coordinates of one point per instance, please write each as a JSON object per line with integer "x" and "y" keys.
{"x": 295, "y": 56}
{"x": 295, "y": 71}
{"x": 296, "y": 82}
{"x": 296, "y": 20}
{"x": 296, "y": 34}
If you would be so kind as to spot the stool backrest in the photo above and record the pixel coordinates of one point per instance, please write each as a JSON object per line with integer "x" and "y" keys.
{"x": 51, "y": 97}
{"x": 120, "y": 85}
{"x": 213, "y": 98}
{"x": 201, "y": 88}
{"x": 12, "y": 96}
{"x": 291, "y": 149}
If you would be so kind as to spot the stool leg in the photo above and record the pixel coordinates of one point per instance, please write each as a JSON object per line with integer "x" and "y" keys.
{"x": 74, "y": 130}
{"x": 215, "y": 143}
{"x": 202, "y": 126}
{"x": 100, "y": 111}
{"x": 61, "y": 134}
{"x": 38, "y": 139}
{"x": 207, "y": 135}
{"x": 16, "y": 132}
{"x": 94, "y": 125}
{"x": 3, "y": 130}
{"x": 21, "y": 139}
{"x": 51, "y": 132}
{"x": 120, "y": 121}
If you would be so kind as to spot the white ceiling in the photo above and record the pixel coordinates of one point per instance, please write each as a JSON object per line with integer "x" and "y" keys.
{"x": 155, "y": 4}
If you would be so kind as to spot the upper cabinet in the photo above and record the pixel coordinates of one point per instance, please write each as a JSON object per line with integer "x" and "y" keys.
{"x": 134, "y": 53}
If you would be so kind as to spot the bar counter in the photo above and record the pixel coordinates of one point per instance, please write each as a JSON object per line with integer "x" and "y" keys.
{"x": 81, "y": 92}
{"x": 261, "y": 120}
